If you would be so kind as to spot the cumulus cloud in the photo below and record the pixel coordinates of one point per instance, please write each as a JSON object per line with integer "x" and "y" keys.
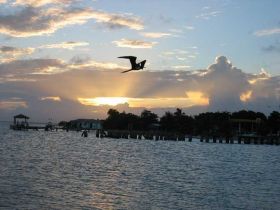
{"x": 66, "y": 45}
{"x": 267, "y": 32}
{"x": 8, "y": 53}
{"x": 224, "y": 84}
{"x": 32, "y": 21}
{"x": 155, "y": 34}
{"x": 129, "y": 43}
{"x": 219, "y": 87}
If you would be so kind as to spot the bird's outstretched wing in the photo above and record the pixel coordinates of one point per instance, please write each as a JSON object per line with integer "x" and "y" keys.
{"x": 142, "y": 63}
{"x": 126, "y": 71}
{"x": 132, "y": 60}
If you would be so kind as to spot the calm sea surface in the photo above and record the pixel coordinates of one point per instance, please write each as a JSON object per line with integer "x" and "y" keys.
{"x": 60, "y": 170}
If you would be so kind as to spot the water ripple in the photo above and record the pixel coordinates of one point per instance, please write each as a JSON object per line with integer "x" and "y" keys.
{"x": 61, "y": 170}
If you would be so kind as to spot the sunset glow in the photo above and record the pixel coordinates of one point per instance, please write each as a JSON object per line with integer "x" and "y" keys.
{"x": 112, "y": 101}
{"x": 253, "y": 81}
{"x": 194, "y": 98}
{"x": 51, "y": 98}
{"x": 60, "y": 58}
{"x": 246, "y": 96}
{"x": 198, "y": 98}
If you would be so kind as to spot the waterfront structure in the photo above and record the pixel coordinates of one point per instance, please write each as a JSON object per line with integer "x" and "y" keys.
{"x": 20, "y": 122}
{"x": 89, "y": 124}
{"x": 245, "y": 126}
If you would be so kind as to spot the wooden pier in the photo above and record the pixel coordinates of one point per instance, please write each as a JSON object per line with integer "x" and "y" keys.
{"x": 244, "y": 139}
{"x": 166, "y": 136}
{"x": 143, "y": 135}
{"x": 21, "y": 124}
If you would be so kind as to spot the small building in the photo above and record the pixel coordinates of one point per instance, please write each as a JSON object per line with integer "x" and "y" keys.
{"x": 20, "y": 122}
{"x": 245, "y": 126}
{"x": 89, "y": 124}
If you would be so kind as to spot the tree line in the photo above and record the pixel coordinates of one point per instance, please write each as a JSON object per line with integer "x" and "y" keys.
{"x": 209, "y": 123}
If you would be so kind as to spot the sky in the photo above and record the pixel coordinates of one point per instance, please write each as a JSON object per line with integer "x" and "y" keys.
{"x": 59, "y": 58}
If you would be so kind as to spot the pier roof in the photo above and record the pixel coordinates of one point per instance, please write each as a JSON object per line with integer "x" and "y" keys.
{"x": 21, "y": 116}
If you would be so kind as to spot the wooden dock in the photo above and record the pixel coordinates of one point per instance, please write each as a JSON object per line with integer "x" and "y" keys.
{"x": 34, "y": 127}
{"x": 143, "y": 135}
{"x": 166, "y": 136}
{"x": 243, "y": 139}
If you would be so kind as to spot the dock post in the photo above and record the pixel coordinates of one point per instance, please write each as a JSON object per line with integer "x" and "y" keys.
{"x": 227, "y": 140}
{"x": 214, "y": 139}
{"x": 277, "y": 142}
{"x": 239, "y": 139}
{"x": 247, "y": 140}
{"x": 201, "y": 138}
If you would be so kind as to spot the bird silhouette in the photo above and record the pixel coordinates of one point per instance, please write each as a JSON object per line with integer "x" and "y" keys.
{"x": 134, "y": 65}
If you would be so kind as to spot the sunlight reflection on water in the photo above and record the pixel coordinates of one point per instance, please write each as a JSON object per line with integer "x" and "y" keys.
{"x": 62, "y": 170}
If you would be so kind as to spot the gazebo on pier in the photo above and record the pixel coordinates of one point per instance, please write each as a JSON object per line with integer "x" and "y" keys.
{"x": 20, "y": 122}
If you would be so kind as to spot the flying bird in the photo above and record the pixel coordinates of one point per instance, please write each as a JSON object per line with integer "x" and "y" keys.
{"x": 134, "y": 65}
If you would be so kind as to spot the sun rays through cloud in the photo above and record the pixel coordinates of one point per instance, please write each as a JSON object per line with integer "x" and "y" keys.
{"x": 62, "y": 56}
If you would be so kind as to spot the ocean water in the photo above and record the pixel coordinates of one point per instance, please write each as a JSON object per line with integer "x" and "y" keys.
{"x": 62, "y": 170}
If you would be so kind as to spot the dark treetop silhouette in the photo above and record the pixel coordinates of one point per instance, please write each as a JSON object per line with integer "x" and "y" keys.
{"x": 134, "y": 65}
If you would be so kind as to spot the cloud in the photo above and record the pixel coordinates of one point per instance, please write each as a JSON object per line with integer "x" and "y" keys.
{"x": 38, "y": 3}
{"x": 208, "y": 15}
{"x": 155, "y": 34}
{"x": 246, "y": 96}
{"x": 29, "y": 69}
{"x": 267, "y": 32}
{"x": 198, "y": 98}
{"x": 13, "y": 103}
{"x": 31, "y": 66}
{"x": 70, "y": 45}
{"x": 183, "y": 67}
{"x": 129, "y": 43}
{"x": 8, "y": 53}
{"x": 84, "y": 90}
{"x": 50, "y": 98}
{"x": 266, "y": 90}
{"x": 91, "y": 64}
{"x": 189, "y": 27}
{"x": 116, "y": 21}
{"x": 192, "y": 98}
{"x": 32, "y": 21}
{"x": 275, "y": 48}
{"x": 165, "y": 19}
{"x": 254, "y": 78}
{"x": 181, "y": 55}
{"x": 3, "y": 1}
